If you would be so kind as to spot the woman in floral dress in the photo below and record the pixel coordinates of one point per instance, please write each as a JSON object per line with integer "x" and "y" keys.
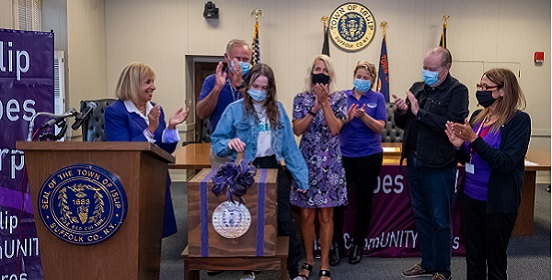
{"x": 318, "y": 115}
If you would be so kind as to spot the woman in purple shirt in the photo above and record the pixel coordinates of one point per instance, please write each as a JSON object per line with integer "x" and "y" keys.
{"x": 492, "y": 146}
{"x": 360, "y": 141}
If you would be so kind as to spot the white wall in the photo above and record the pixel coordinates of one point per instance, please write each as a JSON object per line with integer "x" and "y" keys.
{"x": 161, "y": 33}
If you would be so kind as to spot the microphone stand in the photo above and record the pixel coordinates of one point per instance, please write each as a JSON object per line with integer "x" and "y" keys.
{"x": 63, "y": 128}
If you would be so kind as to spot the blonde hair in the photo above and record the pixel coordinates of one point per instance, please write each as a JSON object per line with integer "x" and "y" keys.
{"x": 370, "y": 68}
{"x": 236, "y": 43}
{"x": 331, "y": 72}
{"x": 129, "y": 81}
{"x": 512, "y": 101}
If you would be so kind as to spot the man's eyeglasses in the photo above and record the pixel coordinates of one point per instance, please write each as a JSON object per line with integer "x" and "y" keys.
{"x": 486, "y": 87}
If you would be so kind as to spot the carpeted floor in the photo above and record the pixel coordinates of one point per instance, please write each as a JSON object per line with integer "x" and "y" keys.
{"x": 529, "y": 257}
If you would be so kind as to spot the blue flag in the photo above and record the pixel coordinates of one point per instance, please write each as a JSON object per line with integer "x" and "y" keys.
{"x": 383, "y": 73}
{"x": 256, "y": 58}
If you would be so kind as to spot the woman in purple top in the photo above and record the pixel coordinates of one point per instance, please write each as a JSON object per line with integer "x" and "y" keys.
{"x": 362, "y": 154}
{"x": 318, "y": 115}
{"x": 492, "y": 146}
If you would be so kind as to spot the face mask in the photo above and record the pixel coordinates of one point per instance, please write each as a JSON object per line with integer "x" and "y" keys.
{"x": 244, "y": 66}
{"x": 257, "y": 95}
{"x": 430, "y": 77}
{"x": 485, "y": 98}
{"x": 320, "y": 78}
{"x": 362, "y": 86}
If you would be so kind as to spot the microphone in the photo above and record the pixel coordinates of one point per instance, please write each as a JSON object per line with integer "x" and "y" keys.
{"x": 84, "y": 115}
{"x": 59, "y": 118}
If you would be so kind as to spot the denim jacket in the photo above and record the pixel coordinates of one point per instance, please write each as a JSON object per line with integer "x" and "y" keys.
{"x": 234, "y": 123}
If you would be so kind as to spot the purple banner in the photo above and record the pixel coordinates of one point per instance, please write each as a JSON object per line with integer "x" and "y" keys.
{"x": 26, "y": 88}
{"x": 392, "y": 231}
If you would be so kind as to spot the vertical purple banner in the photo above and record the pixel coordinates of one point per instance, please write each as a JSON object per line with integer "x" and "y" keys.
{"x": 26, "y": 88}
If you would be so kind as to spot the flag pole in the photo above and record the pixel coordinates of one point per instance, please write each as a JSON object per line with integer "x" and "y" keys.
{"x": 383, "y": 71}
{"x": 326, "y": 43}
{"x": 256, "y": 55}
{"x": 383, "y": 26}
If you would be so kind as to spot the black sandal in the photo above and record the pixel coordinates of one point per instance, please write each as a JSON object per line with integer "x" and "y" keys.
{"x": 307, "y": 267}
{"x": 325, "y": 273}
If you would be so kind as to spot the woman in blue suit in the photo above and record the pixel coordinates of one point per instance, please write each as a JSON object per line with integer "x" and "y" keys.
{"x": 135, "y": 118}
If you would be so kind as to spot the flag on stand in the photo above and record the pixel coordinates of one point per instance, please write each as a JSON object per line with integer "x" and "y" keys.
{"x": 383, "y": 72}
{"x": 443, "y": 42}
{"x": 326, "y": 44}
{"x": 256, "y": 58}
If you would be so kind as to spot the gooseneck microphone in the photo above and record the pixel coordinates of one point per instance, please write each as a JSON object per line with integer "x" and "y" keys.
{"x": 58, "y": 118}
{"x": 84, "y": 115}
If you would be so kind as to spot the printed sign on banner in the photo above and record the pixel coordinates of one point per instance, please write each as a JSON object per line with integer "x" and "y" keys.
{"x": 26, "y": 88}
{"x": 392, "y": 231}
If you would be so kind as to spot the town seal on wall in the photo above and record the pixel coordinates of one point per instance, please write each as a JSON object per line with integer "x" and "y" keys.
{"x": 82, "y": 204}
{"x": 352, "y": 26}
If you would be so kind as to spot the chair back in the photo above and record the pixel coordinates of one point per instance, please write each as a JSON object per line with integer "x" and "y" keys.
{"x": 391, "y": 133}
{"x": 93, "y": 127}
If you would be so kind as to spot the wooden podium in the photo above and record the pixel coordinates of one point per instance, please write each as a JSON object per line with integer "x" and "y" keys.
{"x": 134, "y": 251}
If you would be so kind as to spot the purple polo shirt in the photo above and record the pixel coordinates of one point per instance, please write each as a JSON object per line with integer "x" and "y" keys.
{"x": 476, "y": 184}
{"x": 357, "y": 139}
{"x": 226, "y": 96}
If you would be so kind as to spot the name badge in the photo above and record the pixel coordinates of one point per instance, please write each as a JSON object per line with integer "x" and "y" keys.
{"x": 470, "y": 168}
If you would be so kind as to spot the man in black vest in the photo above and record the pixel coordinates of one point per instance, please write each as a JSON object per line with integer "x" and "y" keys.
{"x": 431, "y": 164}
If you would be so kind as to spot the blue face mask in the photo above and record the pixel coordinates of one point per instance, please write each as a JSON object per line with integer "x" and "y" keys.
{"x": 257, "y": 95}
{"x": 244, "y": 66}
{"x": 362, "y": 86}
{"x": 430, "y": 77}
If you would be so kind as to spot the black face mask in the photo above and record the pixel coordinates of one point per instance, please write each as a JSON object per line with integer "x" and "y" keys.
{"x": 320, "y": 78}
{"x": 485, "y": 98}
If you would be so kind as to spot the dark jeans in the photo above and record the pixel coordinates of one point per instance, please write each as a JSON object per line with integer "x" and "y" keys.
{"x": 362, "y": 174}
{"x": 486, "y": 239}
{"x": 285, "y": 222}
{"x": 431, "y": 195}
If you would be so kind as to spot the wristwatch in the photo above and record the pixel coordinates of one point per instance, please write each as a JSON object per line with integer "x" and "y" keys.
{"x": 312, "y": 113}
{"x": 240, "y": 86}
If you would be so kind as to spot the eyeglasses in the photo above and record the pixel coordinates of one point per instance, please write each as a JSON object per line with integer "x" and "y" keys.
{"x": 486, "y": 87}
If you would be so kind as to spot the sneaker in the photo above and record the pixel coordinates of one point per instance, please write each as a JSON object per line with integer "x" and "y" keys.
{"x": 249, "y": 276}
{"x": 439, "y": 276}
{"x": 417, "y": 271}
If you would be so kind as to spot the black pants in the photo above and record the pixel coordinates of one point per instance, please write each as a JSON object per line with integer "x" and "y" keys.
{"x": 285, "y": 222}
{"x": 362, "y": 174}
{"x": 486, "y": 239}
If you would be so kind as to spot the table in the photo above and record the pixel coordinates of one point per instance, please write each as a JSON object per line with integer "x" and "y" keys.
{"x": 196, "y": 156}
{"x": 192, "y": 265}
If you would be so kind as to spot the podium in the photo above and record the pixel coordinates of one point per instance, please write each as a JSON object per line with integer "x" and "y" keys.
{"x": 134, "y": 251}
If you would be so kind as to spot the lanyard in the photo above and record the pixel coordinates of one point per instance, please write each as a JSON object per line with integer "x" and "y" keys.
{"x": 480, "y": 134}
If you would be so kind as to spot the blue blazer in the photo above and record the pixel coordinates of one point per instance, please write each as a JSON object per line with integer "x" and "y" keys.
{"x": 120, "y": 125}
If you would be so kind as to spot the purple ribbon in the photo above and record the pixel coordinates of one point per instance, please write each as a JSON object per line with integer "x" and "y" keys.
{"x": 204, "y": 213}
{"x": 261, "y": 197}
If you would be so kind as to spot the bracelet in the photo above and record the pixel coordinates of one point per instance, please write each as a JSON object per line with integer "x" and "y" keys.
{"x": 240, "y": 86}
{"x": 312, "y": 113}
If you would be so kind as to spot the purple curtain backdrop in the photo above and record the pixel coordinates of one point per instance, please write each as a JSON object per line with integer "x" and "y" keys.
{"x": 26, "y": 88}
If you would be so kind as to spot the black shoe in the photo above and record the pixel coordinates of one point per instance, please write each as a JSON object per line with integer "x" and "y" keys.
{"x": 356, "y": 255}
{"x": 335, "y": 254}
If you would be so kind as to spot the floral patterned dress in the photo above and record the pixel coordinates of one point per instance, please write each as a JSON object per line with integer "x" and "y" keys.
{"x": 322, "y": 154}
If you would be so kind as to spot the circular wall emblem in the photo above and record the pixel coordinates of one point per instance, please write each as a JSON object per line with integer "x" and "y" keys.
{"x": 352, "y": 26}
{"x": 82, "y": 204}
{"x": 231, "y": 220}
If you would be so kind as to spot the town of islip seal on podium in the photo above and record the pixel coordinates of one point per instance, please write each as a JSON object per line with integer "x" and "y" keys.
{"x": 221, "y": 228}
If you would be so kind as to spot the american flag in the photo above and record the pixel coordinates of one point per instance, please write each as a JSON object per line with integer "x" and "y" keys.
{"x": 256, "y": 59}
